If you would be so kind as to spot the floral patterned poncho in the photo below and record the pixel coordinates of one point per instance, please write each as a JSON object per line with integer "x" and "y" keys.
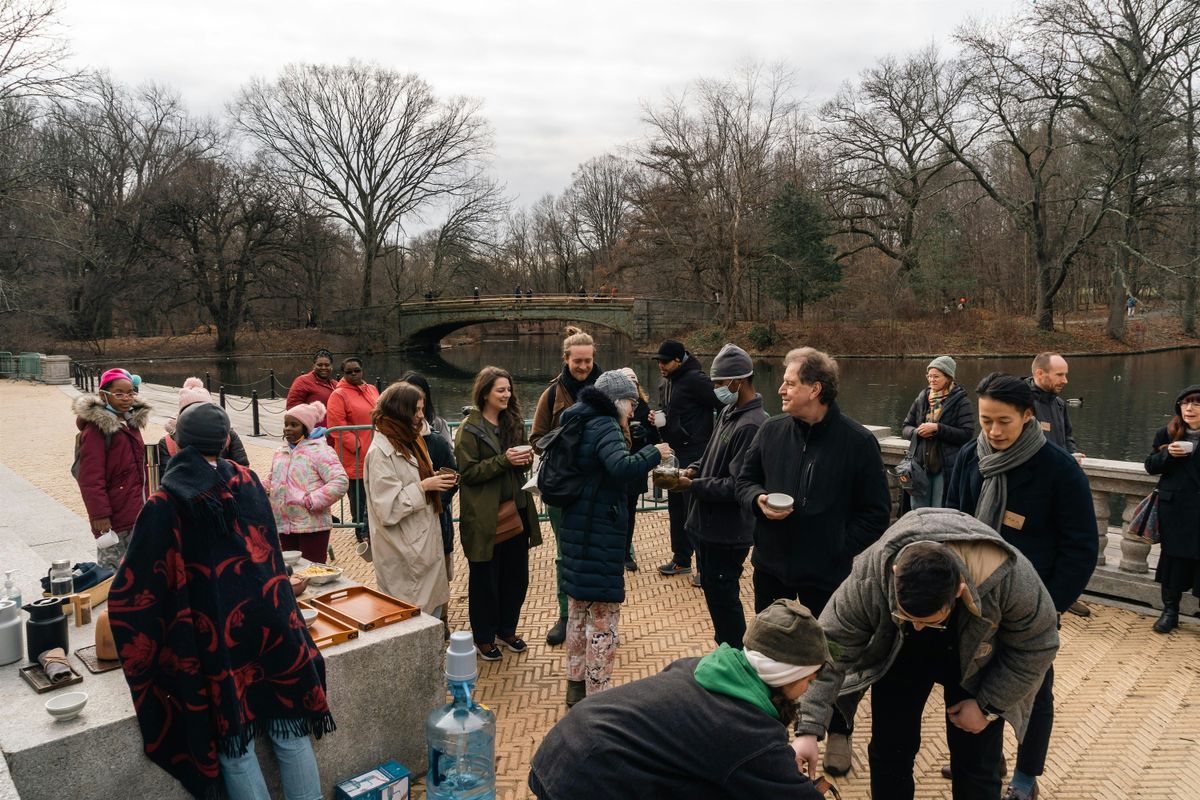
{"x": 207, "y": 627}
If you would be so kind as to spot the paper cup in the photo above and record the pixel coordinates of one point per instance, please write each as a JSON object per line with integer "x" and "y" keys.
{"x": 660, "y": 419}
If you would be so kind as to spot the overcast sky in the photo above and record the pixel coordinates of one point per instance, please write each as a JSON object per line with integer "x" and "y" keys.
{"x": 560, "y": 82}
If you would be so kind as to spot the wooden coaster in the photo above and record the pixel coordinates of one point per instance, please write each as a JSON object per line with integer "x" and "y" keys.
{"x": 35, "y": 676}
{"x": 95, "y": 664}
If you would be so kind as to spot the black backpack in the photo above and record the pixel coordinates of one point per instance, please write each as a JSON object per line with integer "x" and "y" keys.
{"x": 560, "y": 481}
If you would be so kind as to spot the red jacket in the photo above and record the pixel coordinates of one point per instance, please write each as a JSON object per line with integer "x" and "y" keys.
{"x": 309, "y": 387}
{"x": 112, "y": 478}
{"x": 351, "y": 405}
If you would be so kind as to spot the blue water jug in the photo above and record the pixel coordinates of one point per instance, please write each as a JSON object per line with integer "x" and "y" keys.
{"x": 461, "y": 735}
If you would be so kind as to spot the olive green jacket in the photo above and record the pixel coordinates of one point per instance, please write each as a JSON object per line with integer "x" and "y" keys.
{"x": 482, "y": 470}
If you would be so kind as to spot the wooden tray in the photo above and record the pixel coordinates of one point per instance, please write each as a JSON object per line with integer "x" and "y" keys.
{"x": 363, "y": 607}
{"x": 94, "y": 663}
{"x": 35, "y": 676}
{"x": 327, "y": 630}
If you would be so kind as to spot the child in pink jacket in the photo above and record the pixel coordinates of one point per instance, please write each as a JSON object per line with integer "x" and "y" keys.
{"x": 306, "y": 480}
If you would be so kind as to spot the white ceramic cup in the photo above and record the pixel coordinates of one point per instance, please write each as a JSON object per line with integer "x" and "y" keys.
{"x": 107, "y": 539}
{"x": 660, "y": 419}
{"x": 1187, "y": 447}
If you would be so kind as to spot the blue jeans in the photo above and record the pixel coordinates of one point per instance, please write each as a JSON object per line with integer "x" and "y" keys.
{"x": 297, "y": 769}
{"x": 934, "y": 498}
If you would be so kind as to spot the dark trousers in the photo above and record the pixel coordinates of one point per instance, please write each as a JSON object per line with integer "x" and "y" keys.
{"x": 313, "y": 546}
{"x": 897, "y": 703}
{"x": 356, "y": 496}
{"x": 681, "y": 543}
{"x": 722, "y": 571}
{"x": 496, "y": 590}
{"x": 768, "y": 589}
{"x": 1031, "y": 754}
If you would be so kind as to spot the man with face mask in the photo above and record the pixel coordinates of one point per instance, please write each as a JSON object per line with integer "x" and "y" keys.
{"x": 722, "y": 529}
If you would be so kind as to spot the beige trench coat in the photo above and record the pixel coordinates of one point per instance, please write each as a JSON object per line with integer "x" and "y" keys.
{"x": 406, "y": 536}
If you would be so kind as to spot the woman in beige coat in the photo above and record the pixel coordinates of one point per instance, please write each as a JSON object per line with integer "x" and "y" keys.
{"x": 404, "y": 501}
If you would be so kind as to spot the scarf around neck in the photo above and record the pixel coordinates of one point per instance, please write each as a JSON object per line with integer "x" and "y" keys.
{"x": 994, "y": 465}
{"x": 574, "y": 387}
{"x": 410, "y": 445}
{"x": 207, "y": 627}
{"x": 937, "y": 401}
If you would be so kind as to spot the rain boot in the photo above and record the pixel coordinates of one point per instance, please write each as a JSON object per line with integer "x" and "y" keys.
{"x": 1169, "y": 620}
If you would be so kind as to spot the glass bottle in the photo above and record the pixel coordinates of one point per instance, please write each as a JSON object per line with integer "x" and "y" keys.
{"x": 461, "y": 735}
{"x": 62, "y": 582}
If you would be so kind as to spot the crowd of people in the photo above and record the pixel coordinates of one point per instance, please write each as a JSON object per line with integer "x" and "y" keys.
{"x": 966, "y": 589}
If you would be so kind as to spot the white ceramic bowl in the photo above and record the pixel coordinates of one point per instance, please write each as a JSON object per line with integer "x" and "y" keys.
{"x": 290, "y": 557}
{"x": 321, "y": 580}
{"x": 780, "y": 501}
{"x": 66, "y": 706}
{"x": 310, "y": 616}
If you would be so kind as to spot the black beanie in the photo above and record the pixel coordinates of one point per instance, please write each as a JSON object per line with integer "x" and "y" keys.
{"x": 204, "y": 426}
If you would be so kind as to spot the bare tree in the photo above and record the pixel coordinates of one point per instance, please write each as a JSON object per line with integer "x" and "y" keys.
{"x": 33, "y": 51}
{"x": 369, "y": 144}
{"x": 598, "y": 203}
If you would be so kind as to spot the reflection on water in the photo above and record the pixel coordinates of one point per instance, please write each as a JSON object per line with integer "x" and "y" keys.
{"x": 1125, "y": 398}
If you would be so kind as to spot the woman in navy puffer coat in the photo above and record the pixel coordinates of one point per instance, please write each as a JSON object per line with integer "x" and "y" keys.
{"x": 593, "y": 530}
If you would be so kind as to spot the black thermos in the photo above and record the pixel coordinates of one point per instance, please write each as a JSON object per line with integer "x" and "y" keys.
{"x": 46, "y": 627}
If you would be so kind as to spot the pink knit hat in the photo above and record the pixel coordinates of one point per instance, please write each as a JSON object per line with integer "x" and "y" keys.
{"x": 193, "y": 391}
{"x": 114, "y": 374}
{"x": 307, "y": 414}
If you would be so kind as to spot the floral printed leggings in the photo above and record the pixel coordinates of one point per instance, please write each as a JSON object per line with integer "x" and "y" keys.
{"x": 592, "y": 642}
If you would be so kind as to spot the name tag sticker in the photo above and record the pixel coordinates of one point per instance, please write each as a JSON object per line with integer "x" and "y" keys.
{"x": 1014, "y": 521}
{"x": 1045, "y": 425}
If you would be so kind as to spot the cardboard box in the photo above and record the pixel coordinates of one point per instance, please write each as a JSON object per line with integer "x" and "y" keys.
{"x": 388, "y": 781}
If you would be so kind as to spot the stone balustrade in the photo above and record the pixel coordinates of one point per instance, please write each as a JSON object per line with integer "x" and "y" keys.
{"x": 1124, "y": 569}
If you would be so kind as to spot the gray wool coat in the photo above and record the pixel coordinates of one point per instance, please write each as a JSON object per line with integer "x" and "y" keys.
{"x": 1007, "y": 639}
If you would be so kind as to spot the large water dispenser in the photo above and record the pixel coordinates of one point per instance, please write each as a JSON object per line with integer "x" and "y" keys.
{"x": 462, "y": 734}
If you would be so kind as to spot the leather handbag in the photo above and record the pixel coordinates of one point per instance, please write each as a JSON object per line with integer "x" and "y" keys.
{"x": 1144, "y": 522}
{"x": 508, "y": 521}
{"x": 909, "y": 474}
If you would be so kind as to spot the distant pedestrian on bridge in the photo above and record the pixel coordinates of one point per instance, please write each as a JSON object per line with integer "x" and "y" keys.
{"x": 579, "y": 370}
{"x": 352, "y": 403}
{"x": 529, "y": 294}
{"x": 476, "y": 294}
{"x": 1176, "y": 460}
{"x": 315, "y": 385}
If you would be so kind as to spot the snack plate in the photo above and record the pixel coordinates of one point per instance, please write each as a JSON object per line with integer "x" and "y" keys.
{"x": 363, "y": 607}
{"x": 326, "y": 630}
{"x": 316, "y": 580}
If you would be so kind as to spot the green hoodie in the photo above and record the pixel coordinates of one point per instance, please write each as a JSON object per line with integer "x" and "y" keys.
{"x": 726, "y": 671}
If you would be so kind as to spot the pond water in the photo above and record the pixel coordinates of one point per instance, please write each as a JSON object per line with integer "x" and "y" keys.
{"x": 1125, "y": 398}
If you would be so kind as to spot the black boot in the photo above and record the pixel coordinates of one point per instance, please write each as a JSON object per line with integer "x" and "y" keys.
{"x": 1169, "y": 620}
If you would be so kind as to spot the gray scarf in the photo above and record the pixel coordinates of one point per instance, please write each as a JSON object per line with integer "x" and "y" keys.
{"x": 994, "y": 466}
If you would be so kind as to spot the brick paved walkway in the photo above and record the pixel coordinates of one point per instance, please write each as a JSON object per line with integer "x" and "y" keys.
{"x": 1128, "y": 700}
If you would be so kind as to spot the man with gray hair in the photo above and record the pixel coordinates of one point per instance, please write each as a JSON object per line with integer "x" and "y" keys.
{"x": 829, "y": 500}
{"x": 721, "y": 528}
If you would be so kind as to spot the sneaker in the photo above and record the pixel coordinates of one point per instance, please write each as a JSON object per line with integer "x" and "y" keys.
{"x": 489, "y": 652}
{"x": 1014, "y": 793}
{"x": 837, "y": 754}
{"x": 631, "y": 565}
{"x": 514, "y": 643}
{"x": 1078, "y": 608}
{"x": 558, "y": 633}
{"x": 671, "y": 568}
{"x": 576, "y": 691}
{"x": 696, "y": 580}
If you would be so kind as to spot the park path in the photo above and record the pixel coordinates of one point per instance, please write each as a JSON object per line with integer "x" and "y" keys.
{"x": 1128, "y": 700}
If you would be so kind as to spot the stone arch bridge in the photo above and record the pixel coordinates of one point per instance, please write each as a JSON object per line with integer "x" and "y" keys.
{"x": 424, "y": 324}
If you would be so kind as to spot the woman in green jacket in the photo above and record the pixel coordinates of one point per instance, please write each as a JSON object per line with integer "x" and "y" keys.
{"x": 493, "y": 455}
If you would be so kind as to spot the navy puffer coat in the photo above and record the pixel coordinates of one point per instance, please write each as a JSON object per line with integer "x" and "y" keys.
{"x": 594, "y": 527}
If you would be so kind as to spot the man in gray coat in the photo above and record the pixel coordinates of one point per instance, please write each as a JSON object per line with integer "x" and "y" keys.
{"x": 941, "y": 598}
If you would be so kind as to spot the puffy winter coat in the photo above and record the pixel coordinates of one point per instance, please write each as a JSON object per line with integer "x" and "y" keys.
{"x": 956, "y": 427}
{"x": 112, "y": 461}
{"x": 306, "y": 480}
{"x": 351, "y": 405}
{"x": 1178, "y": 493}
{"x": 716, "y": 517}
{"x": 1051, "y": 413}
{"x": 1007, "y": 638}
{"x": 594, "y": 527}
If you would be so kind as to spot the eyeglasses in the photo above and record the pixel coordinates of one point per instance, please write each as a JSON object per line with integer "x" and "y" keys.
{"x": 351, "y": 371}
{"x": 1189, "y": 403}
{"x": 119, "y": 395}
{"x": 903, "y": 618}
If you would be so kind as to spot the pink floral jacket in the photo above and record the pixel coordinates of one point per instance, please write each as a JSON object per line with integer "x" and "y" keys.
{"x": 305, "y": 482}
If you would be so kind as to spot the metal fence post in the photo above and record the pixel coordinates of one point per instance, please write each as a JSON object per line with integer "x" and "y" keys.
{"x": 254, "y": 411}
{"x": 208, "y": 383}
{"x": 222, "y": 390}
{"x": 378, "y": 384}
{"x": 272, "y": 384}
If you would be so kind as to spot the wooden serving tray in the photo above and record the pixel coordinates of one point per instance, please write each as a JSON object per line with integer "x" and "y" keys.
{"x": 35, "y": 676}
{"x": 327, "y": 630}
{"x": 363, "y": 607}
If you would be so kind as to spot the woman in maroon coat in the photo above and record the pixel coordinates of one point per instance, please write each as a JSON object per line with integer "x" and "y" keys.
{"x": 112, "y": 461}
{"x": 315, "y": 385}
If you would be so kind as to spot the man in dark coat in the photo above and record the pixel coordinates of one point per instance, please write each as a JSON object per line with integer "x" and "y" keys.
{"x": 703, "y": 728}
{"x": 1048, "y": 380}
{"x": 831, "y": 468}
{"x": 1046, "y": 513}
{"x": 685, "y": 397}
{"x": 721, "y": 527}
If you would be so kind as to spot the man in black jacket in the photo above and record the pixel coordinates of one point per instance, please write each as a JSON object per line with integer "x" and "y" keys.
{"x": 831, "y": 468}
{"x": 703, "y": 728}
{"x": 686, "y": 398}
{"x": 720, "y": 527}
